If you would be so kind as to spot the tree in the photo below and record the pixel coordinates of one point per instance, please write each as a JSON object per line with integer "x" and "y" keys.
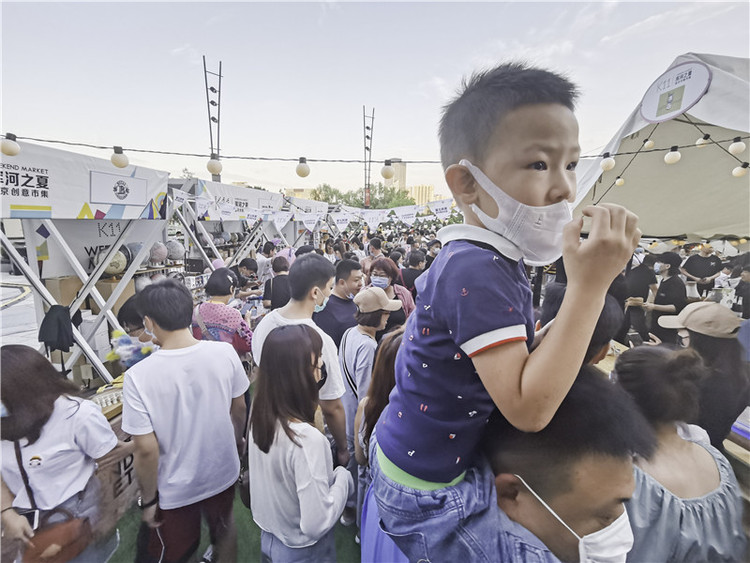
{"x": 186, "y": 174}
{"x": 325, "y": 192}
{"x": 381, "y": 197}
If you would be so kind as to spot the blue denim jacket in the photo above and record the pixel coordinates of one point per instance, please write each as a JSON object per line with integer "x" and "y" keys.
{"x": 517, "y": 544}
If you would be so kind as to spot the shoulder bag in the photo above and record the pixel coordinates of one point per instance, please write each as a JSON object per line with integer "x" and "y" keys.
{"x": 58, "y": 542}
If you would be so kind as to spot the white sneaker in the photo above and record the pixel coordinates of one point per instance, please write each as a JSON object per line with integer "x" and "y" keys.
{"x": 208, "y": 556}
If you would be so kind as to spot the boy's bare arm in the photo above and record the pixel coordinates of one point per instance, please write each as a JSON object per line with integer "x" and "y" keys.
{"x": 528, "y": 388}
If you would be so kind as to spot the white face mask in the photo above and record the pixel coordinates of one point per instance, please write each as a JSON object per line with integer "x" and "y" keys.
{"x": 380, "y": 281}
{"x": 609, "y": 545}
{"x": 536, "y": 231}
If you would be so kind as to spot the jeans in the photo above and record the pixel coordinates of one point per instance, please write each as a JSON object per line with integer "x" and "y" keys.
{"x": 273, "y": 549}
{"x": 458, "y": 523}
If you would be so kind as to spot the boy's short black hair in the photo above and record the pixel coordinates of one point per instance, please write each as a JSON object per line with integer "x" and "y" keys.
{"x": 128, "y": 315}
{"x": 249, "y": 263}
{"x": 268, "y": 247}
{"x": 470, "y": 119}
{"x": 222, "y": 281}
{"x": 375, "y": 243}
{"x": 416, "y": 257}
{"x": 595, "y": 418}
{"x": 649, "y": 259}
{"x": 168, "y": 303}
{"x": 345, "y": 268}
{"x": 308, "y": 271}
{"x": 280, "y": 264}
{"x": 304, "y": 249}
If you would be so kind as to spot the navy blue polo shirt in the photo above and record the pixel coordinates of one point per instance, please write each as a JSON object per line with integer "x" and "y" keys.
{"x": 471, "y": 299}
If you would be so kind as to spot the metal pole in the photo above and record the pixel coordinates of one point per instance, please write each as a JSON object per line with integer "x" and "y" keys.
{"x": 208, "y": 105}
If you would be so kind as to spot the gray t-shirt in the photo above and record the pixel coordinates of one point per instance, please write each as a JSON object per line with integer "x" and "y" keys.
{"x": 356, "y": 354}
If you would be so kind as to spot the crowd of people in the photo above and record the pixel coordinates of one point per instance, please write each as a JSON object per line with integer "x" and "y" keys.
{"x": 406, "y": 384}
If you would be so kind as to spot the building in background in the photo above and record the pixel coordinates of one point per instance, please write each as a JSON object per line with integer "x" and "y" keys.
{"x": 302, "y": 193}
{"x": 422, "y": 194}
{"x": 399, "y": 175}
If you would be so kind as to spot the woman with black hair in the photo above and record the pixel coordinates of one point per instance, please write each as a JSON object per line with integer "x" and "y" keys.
{"x": 57, "y": 438}
{"x": 687, "y": 504}
{"x": 296, "y": 494}
{"x": 215, "y": 320}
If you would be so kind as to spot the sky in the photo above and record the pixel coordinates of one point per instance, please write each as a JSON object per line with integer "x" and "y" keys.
{"x": 297, "y": 75}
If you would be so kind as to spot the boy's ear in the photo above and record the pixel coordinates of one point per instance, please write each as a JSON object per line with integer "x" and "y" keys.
{"x": 462, "y": 185}
{"x": 508, "y": 486}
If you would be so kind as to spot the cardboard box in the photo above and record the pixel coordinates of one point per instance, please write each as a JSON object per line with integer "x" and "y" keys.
{"x": 64, "y": 289}
{"x": 107, "y": 287}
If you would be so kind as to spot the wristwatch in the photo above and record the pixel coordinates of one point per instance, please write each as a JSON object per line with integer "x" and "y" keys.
{"x": 142, "y": 504}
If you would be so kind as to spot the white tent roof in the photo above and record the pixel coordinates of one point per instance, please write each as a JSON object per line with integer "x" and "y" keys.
{"x": 698, "y": 195}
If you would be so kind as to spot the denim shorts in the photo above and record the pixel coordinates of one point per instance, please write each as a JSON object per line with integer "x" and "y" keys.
{"x": 272, "y": 549}
{"x": 455, "y": 523}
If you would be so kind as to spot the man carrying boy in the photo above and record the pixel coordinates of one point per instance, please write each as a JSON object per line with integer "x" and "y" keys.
{"x": 509, "y": 146}
{"x": 184, "y": 407}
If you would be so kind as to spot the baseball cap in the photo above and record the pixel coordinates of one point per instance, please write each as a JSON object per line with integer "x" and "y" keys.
{"x": 704, "y": 317}
{"x": 373, "y": 299}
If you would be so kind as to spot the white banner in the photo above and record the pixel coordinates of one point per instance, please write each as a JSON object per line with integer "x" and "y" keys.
{"x": 373, "y": 217}
{"x": 309, "y": 220}
{"x": 202, "y": 205}
{"x": 41, "y": 182}
{"x": 308, "y": 205}
{"x": 226, "y": 210}
{"x": 406, "y": 214}
{"x": 241, "y": 199}
{"x": 341, "y": 220}
{"x": 252, "y": 216}
{"x": 179, "y": 197}
{"x": 442, "y": 208}
{"x": 281, "y": 218}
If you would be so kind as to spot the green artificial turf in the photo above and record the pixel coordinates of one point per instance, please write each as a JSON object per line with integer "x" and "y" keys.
{"x": 248, "y": 538}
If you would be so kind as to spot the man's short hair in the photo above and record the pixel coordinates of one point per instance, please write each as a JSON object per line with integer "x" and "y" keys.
{"x": 249, "y": 263}
{"x": 308, "y": 271}
{"x": 470, "y": 120}
{"x": 609, "y": 322}
{"x": 595, "y": 418}
{"x": 168, "y": 303}
{"x": 128, "y": 315}
{"x": 416, "y": 257}
{"x": 375, "y": 243}
{"x": 280, "y": 264}
{"x": 649, "y": 259}
{"x": 268, "y": 247}
{"x": 746, "y": 268}
{"x": 304, "y": 249}
{"x": 345, "y": 268}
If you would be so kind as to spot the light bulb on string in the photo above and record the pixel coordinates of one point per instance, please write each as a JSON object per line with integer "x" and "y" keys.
{"x": 673, "y": 156}
{"x": 620, "y": 181}
{"x": 648, "y": 144}
{"x": 387, "y": 171}
{"x": 118, "y": 158}
{"x": 214, "y": 165}
{"x": 737, "y": 147}
{"x": 740, "y": 171}
{"x": 608, "y": 163}
{"x": 703, "y": 141}
{"x": 9, "y": 146}
{"x": 303, "y": 169}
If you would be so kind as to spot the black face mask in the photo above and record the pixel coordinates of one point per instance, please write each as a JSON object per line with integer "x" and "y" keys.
{"x": 323, "y": 377}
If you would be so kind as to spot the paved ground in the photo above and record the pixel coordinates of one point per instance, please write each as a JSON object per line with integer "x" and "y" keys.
{"x": 17, "y": 317}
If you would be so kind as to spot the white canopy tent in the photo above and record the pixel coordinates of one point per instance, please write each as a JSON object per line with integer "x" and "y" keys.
{"x": 698, "y": 195}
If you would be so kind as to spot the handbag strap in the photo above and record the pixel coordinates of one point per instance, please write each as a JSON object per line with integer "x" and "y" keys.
{"x": 24, "y": 476}
{"x": 349, "y": 378}
{"x": 206, "y": 335}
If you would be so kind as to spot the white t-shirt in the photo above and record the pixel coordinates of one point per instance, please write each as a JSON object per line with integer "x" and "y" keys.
{"x": 333, "y": 388}
{"x": 184, "y": 397}
{"x": 295, "y": 493}
{"x": 265, "y": 271}
{"x": 61, "y": 461}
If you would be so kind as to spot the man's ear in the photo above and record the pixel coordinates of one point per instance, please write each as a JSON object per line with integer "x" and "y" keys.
{"x": 508, "y": 487}
{"x": 462, "y": 185}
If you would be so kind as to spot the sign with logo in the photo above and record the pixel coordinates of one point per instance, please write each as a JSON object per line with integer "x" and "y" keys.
{"x": 342, "y": 220}
{"x": 406, "y": 214}
{"x": 675, "y": 92}
{"x": 281, "y": 218}
{"x": 118, "y": 190}
{"x": 179, "y": 197}
{"x": 309, "y": 220}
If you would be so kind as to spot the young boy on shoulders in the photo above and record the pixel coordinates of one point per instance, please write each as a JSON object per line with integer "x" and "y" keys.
{"x": 509, "y": 146}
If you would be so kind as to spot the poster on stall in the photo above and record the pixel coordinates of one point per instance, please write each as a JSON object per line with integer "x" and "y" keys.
{"x": 308, "y": 205}
{"x": 46, "y": 183}
{"x": 281, "y": 218}
{"x": 341, "y": 220}
{"x": 240, "y": 199}
{"x": 441, "y": 208}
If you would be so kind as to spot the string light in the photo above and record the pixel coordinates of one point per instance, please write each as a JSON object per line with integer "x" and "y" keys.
{"x": 648, "y": 144}
{"x": 387, "y": 171}
{"x": 608, "y": 163}
{"x": 620, "y": 181}
{"x": 673, "y": 156}
{"x": 303, "y": 169}
{"x": 8, "y": 146}
{"x": 740, "y": 171}
{"x": 703, "y": 141}
{"x": 214, "y": 165}
{"x": 737, "y": 147}
{"x": 118, "y": 158}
